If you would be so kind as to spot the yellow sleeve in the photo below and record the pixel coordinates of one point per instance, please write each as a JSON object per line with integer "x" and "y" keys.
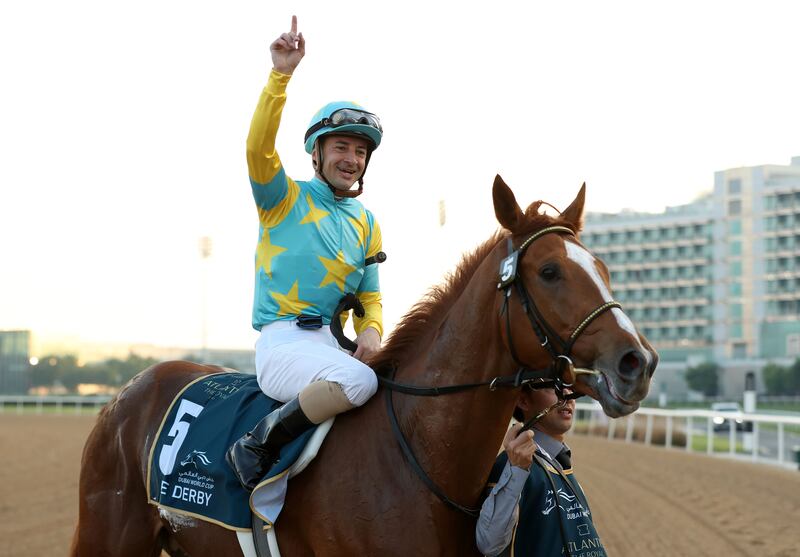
{"x": 263, "y": 162}
{"x": 373, "y": 312}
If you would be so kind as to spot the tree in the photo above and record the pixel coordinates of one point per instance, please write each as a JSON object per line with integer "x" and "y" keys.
{"x": 793, "y": 379}
{"x": 775, "y": 379}
{"x": 52, "y": 368}
{"x": 65, "y": 369}
{"x": 118, "y": 372}
{"x": 703, "y": 378}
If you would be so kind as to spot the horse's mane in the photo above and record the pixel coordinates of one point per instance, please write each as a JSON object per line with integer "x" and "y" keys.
{"x": 428, "y": 312}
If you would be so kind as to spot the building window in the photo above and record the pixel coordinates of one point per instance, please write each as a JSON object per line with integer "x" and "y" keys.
{"x": 793, "y": 345}
{"x": 734, "y": 186}
{"x": 735, "y": 247}
{"x": 735, "y": 227}
{"x": 735, "y": 207}
{"x": 772, "y": 265}
{"x": 739, "y": 350}
{"x": 699, "y": 291}
{"x": 700, "y": 271}
{"x": 699, "y": 311}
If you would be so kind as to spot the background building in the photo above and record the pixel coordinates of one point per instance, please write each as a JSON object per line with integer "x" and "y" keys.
{"x": 715, "y": 280}
{"x": 14, "y": 361}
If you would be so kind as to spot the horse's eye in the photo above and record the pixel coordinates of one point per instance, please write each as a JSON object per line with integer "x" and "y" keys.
{"x": 549, "y": 273}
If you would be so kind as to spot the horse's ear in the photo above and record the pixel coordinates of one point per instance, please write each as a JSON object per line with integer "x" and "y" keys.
{"x": 574, "y": 213}
{"x": 506, "y": 208}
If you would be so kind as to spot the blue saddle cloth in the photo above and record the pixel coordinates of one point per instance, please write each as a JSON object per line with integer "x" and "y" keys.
{"x": 186, "y": 469}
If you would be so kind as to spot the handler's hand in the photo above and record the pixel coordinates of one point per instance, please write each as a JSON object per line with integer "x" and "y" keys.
{"x": 288, "y": 50}
{"x": 520, "y": 448}
{"x": 369, "y": 342}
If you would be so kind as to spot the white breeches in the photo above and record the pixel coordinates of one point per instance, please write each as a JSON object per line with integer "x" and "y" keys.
{"x": 288, "y": 358}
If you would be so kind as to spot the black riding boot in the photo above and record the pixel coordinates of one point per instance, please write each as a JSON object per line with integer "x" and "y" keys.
{"x": 252, "y": 456}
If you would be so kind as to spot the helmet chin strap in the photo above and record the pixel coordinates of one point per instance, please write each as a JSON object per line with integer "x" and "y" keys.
{"x": 336, "y": 191}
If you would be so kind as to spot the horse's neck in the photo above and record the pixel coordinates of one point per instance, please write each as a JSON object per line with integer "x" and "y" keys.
{"x": 459, "y": 434}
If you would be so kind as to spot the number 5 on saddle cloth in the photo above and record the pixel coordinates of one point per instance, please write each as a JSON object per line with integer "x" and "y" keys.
{"x": 187, "y": 472}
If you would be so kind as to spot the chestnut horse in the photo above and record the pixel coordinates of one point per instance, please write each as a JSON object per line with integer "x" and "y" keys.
{"x": 361, "y": 496}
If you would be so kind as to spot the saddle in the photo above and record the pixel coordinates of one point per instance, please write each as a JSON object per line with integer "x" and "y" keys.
{"x": 187, "y": 473}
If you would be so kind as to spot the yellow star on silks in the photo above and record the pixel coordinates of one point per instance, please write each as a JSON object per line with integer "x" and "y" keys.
{"x": 337, "y": 270}
{"x": 265, "y": 252}
{"x": 290, "y": 303}
{"x": 314, "y": 215}
{"x": 361, "y": 227}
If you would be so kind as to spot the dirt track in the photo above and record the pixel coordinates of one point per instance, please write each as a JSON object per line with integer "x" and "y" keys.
{"x": 646, "y": 501}
{"x": 650, "y": 501}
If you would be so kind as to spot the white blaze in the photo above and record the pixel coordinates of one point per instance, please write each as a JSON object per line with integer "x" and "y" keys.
{"x": 586, "y": 260}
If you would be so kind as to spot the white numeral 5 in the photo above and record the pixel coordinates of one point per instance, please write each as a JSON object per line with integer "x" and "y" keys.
{"x": 179, "y": 429}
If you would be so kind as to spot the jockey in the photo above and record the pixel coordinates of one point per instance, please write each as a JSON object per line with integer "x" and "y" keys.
{"x": 314, "y": 238}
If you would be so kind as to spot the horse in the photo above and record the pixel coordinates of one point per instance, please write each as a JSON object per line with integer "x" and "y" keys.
{"x": 529, "y": 304}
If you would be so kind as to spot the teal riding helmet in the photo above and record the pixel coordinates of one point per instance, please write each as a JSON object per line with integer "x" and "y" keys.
{"x": 345, "y": 118}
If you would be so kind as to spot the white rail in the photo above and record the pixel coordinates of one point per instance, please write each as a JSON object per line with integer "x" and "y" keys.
{"x": 58, "y": 405}
{"x": 767, "y": 441}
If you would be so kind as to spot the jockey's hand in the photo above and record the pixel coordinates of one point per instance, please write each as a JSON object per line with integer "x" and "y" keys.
{"x": 519, "y": 447}
{"x": 288, "y": 50}
{"x": 369, "y": 342}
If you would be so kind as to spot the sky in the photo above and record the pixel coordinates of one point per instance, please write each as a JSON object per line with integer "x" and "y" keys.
{"x": 123, "y": 126}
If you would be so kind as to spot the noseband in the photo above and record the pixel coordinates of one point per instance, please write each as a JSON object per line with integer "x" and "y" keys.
{"x": 560, "y": 374}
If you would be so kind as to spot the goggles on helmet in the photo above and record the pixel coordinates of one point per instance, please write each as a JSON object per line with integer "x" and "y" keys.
{"x": 346, "y": 116}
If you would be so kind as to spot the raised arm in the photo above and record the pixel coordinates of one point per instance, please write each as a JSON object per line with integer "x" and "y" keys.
{"x": 267, "y": 178}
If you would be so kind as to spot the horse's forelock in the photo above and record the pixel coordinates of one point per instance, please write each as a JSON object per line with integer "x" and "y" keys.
{"x": 536, "y": 221}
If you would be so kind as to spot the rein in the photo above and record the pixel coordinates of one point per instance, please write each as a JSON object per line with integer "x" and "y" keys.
{"x": 559, "y": 375}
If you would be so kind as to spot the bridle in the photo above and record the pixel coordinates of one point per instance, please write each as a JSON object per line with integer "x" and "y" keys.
{"x": 560, "y": 374}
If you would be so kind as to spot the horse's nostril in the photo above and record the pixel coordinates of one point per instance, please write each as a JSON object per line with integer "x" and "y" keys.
{"x": 631, "y": 363}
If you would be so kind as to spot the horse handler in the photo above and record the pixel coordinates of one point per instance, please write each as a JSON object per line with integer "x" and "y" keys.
{"x": 314, "y": 240}
{"x": 535, "y": 505}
